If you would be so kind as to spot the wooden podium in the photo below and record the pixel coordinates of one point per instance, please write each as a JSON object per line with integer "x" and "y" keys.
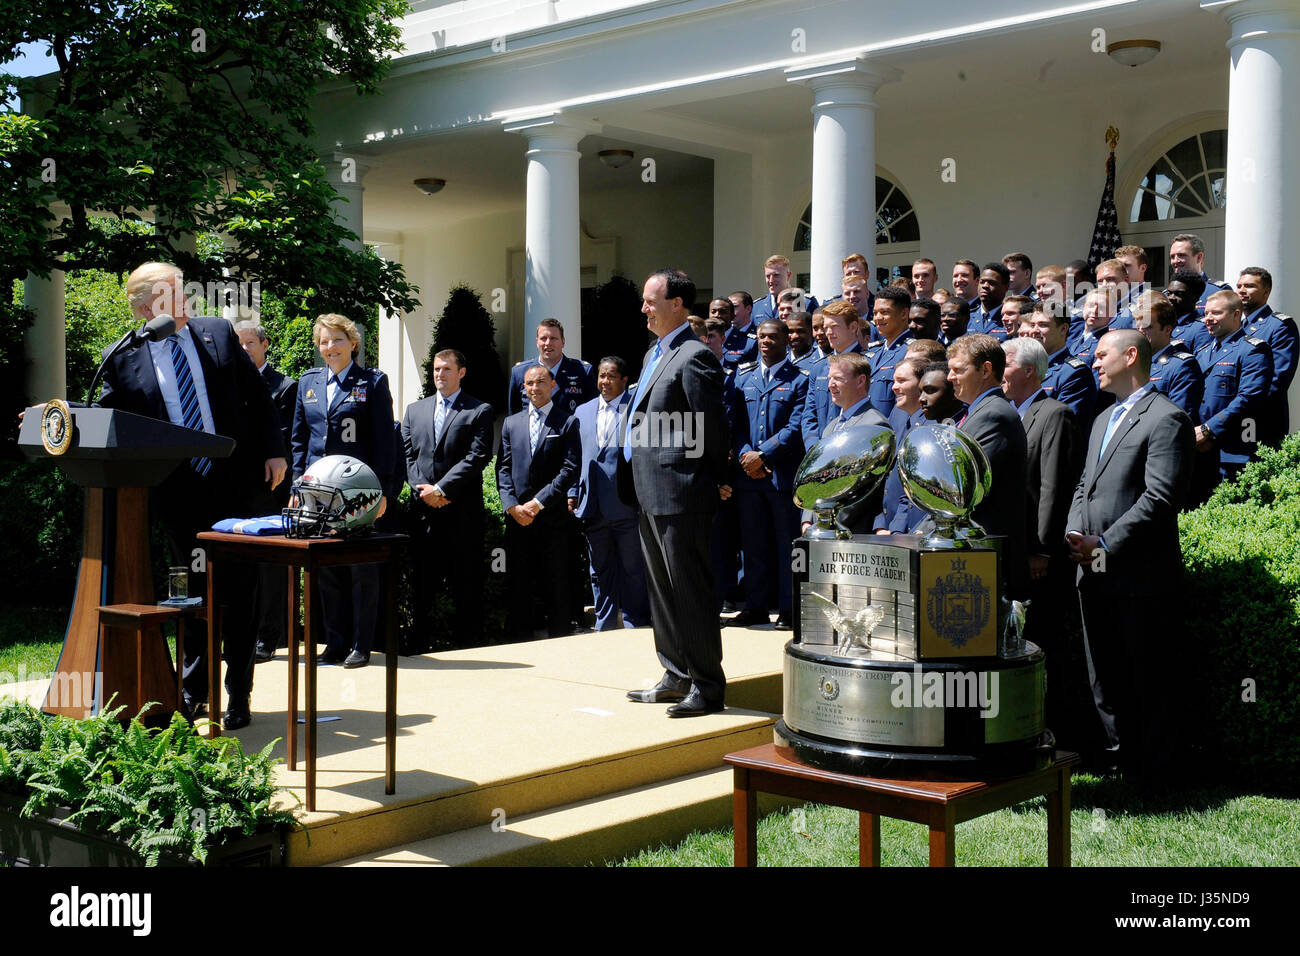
{"x": 116, "y": 457}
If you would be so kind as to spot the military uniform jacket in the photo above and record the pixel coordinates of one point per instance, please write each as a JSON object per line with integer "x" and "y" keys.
{"x": 884, "y": 358}
{"x": 768, "y": 419}
{"x": 1192, "y": 333}
{"x": 1238, "y": 371}
{"x": 740, "y": 346}
{"x": 1177, "y": 375}
{"x": 1070, "y": 381}
{"x": 359, "y": 423}
{"x": 1279, "y": 331}
{"x": 574, "y": 384}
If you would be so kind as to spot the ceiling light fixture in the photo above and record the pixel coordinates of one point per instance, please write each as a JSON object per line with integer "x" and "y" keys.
{"x": 1133, "y": 52}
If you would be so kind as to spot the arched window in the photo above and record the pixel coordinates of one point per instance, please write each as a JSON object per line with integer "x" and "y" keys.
{"x": 895, "y": 219}
{"x": 1186, "y": 182}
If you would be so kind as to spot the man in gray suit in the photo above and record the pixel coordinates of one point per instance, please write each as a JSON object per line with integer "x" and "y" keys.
{"x": 1123, "y": 535}
{"x": 975, "y": 366}
{"x": 674, "y": 460}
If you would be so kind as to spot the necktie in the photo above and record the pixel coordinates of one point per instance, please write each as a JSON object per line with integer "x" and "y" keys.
{"x": 602, "y": 432}
{"x": 535, "y": 428}
{"x": 767, "y": 376}
{"x": 193, "y": 418}
{"x": 439, "y": 419}
{"x": 641, "y": 391}
{"x": 1115, "y": 416}
{"x": 331, "y": 389}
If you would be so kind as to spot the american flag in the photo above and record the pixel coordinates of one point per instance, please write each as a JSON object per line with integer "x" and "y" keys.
{"x": 1105, "y": 234}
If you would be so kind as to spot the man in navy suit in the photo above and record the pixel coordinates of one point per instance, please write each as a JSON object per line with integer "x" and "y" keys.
{"x": 574, "y": 382}
{"x": 447, "y": 439}
{"x": 272, "y": 585}
{"x": 536, "y": 466}
{"x": 200, "y": 378}
{"x": 613, "y": 542}
{"x": 345, "y": 409}
{"x": 765, "y": 429}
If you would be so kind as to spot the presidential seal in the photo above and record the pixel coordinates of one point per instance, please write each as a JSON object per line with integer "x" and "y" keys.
{"x": 958, "y": 605}
{"x": 56, "y": 426}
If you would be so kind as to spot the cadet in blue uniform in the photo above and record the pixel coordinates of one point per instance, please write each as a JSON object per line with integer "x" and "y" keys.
{"x": 1279, "y": 331}
{"x": 1238, "y": 369}
{"x": 897, "y": 513}
{"x": 840, "y": 323}
{"x": 803, "y": 353}
{"x": 1069, "y": 380}
{"x": 1183, "y": 292}
{"x": 1187, "y": 251}
{"x": 344, "y": 409}
{"x": 575, "y": 384}
{"x": 740, "y": 344}
{"x": 766, "y": 438}
{"x": 891, "y": 311}
{"x": 1175, "y": 373}
{"x": 986, "y": 312}
{"x": 954, "y": 319}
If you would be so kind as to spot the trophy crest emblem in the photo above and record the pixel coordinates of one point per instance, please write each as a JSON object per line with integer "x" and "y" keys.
{"x": 958, "y": 605}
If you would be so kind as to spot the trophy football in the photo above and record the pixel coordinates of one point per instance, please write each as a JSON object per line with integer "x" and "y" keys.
{"x": 907, "y": 659}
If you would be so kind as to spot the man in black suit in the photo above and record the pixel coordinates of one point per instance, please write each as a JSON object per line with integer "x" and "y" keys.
{"x": 1054, "y": 460}
{"x": 200, "y": 378}
{"x": 271, "y": 596}
{"x": 1123, "y": 535}
{"x": 975, "y": 366}
{"x": 447, "y": 440}
{"x": 536, "y": 466}
{"x": 675, "y": 455}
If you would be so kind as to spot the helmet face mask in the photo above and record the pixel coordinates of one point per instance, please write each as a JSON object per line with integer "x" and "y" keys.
{"x": 338, "y": 493}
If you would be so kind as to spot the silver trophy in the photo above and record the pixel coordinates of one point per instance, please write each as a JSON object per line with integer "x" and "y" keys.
{"x": 839, "y": 470}
{"x": 946, "y": 474}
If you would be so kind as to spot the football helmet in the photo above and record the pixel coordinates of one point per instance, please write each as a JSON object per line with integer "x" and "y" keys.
{"x": 336, "y": 493}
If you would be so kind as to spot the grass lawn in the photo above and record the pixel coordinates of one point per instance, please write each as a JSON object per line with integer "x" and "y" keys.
{"x": 30, "y": 639}
{"x": 1110, "y": 826}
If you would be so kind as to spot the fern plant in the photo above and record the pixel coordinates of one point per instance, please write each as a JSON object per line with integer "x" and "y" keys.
{"x": 161, "y": 790}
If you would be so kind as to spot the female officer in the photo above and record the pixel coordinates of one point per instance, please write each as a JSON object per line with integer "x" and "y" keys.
{"x": 344, "y": 409}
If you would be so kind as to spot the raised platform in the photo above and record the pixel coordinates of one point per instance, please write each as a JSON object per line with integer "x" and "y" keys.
{"x": 521, "y": 753}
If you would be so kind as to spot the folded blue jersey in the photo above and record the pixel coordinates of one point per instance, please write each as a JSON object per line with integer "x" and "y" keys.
{"x": 271, "y": 524}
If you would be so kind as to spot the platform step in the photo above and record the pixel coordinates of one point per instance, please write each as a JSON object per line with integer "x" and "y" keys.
{"x": 598, "y": 830}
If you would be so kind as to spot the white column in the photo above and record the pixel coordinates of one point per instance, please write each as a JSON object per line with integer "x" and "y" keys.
{"x": 552, "y": 277}
{"x": 1263, "y": 194}
{"x": 45, "y": 344}
{"x": 844, "y": 163}
{"x": 345, "y": 173}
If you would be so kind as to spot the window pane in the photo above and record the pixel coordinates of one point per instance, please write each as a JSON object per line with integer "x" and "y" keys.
{"x": 1215, "y": 144}
{"x": 1186, "y": 182}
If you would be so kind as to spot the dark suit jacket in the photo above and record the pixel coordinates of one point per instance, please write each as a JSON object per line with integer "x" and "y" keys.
{"x": 284, "y": 396}
{"x": 1131, "y": 495}
{"x": 679, "y": 430}
{"x": 359, "y": 423}
{"x": 596, "y": 489}
{"x": 1053, "y": 465}
{"x": 455, "y": 464}
{"x": 237, "y": 395}
{"x": 997, "y": 428}
{"x": 546, "y": 474}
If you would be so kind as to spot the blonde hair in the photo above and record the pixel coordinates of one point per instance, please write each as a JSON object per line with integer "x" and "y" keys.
{"x": 145, "y": 282}
{"x": 777, "y": 261}
{"x": 337, "y": 323}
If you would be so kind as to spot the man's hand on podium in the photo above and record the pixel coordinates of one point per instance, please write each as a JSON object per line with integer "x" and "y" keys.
{"x": 275, "y": 471}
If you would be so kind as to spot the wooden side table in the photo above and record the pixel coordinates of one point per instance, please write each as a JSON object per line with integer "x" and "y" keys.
{"x": 135, "y": 686}
{"x": 309, "y": 555}
{"x": 939, "y": 804}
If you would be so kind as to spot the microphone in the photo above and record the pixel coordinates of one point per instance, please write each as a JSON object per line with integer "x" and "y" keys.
{"x": 155, "y": 330}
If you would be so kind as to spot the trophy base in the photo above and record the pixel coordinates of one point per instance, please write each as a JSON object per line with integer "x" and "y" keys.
{"x": 883, "y": 715}
{"x": 993, "y": 763}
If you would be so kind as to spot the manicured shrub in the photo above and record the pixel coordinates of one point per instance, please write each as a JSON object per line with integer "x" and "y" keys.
{"x": 1241, "y": 601}
{"x": 466, "y": 325}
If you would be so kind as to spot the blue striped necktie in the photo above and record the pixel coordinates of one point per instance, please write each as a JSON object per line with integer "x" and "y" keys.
{"x": 189, "y": 398}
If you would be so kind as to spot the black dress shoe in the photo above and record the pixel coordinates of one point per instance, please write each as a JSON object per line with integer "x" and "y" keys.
{"x": 263, "y": 653}
{"x": 670, "y": 688}
{"x": 783, "y": 622}
{"x": 357, "y": 659}
{"x": 746, "y": 619}
{"x": 695, "y": 704}
{"x": 237, "y": 715}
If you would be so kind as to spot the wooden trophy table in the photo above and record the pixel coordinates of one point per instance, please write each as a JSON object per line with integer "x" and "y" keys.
{"x": 309, "y": 555}
{"x": 940, "y": 804}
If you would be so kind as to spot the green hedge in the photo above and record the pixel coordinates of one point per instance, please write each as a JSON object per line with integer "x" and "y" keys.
{"x": 1241, "y": 599}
